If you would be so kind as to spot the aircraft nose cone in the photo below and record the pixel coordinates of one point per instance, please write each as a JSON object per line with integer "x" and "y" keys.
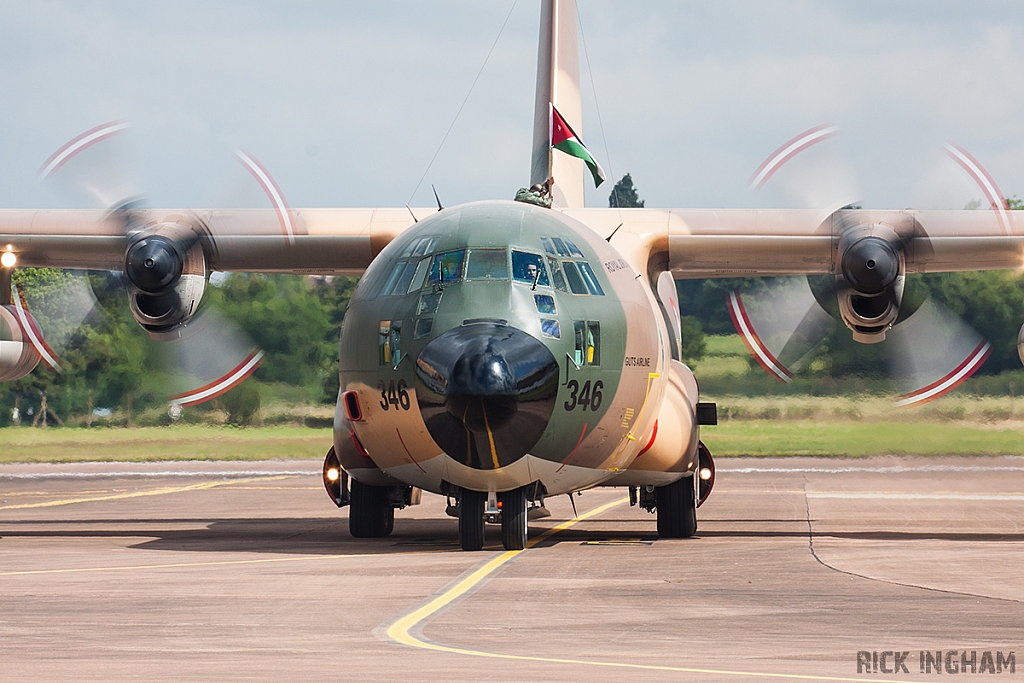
{"x": 486, "y": 392}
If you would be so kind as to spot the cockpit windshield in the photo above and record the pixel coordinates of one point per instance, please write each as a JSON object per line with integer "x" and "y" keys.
{"x": 487, "y": 264}
{"x": 447, "y": 267}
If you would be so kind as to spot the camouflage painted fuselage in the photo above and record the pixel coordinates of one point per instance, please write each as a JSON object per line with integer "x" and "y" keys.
{"x": 549, "y": 308}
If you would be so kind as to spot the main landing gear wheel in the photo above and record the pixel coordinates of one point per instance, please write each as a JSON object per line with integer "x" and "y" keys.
{"x": 677, "y": 508}
{"x": 471, "y": 519}
{"x": 370, "y": 514}
{"x": 513, "y": 518}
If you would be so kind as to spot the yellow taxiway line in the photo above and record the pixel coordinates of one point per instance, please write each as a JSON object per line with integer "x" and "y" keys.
{"x": 140, "y": 494}
{"x": 401, "y": 630}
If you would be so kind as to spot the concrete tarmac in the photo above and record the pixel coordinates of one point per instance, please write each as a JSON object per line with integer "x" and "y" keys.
{"x": 246, "y": 571}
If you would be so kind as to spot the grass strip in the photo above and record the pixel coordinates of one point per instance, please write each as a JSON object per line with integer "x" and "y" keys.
{"x": 851, "y": 438}
{"x": 186, "y": 442}
{"x": 735, "y": 437}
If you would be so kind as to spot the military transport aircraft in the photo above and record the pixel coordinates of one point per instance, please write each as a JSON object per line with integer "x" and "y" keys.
{"x": 501, "y": 352}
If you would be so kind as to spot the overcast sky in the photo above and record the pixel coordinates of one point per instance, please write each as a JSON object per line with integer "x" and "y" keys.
{"x": 346, "y": 103}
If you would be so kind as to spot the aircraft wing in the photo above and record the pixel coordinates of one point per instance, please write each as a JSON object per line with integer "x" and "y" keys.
{"x": 708, "y": 243}
{"x": 691, "y": 243}
{"x": 328, "y": 241}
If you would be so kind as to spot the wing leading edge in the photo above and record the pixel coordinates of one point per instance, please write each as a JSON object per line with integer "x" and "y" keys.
{"x": 690, "y": 243}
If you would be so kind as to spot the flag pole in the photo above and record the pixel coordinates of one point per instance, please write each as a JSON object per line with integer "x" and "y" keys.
{"x": 551, "y": 149}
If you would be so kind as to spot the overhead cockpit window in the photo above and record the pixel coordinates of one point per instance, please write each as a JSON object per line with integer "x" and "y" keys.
{"x": 588, "y": 276}
{"x": 572, "y": 274}
{"x": 560, "y": 247}
{"x": 447, "y": 267}
{"x": 421, "y": 246}
{"x": 556, "y": 275}
{"x": 549, "y": 246}
{"x": 573, "y": 249}
{"x": 487, "y": 264}
{"x": 545, "y": 303}
{"x": 529, "y": 268}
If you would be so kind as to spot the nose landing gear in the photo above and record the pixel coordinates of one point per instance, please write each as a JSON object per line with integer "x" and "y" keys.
{"x": 510, "y": 509}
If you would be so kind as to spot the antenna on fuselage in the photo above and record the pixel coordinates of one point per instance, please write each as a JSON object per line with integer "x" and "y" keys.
{"x": 438, "y": 199}
{"x": 414, "y": 219}
{"x": 609, "y": 237}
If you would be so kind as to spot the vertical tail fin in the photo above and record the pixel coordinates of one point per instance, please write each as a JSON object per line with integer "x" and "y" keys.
{"x": 558, "y": 83}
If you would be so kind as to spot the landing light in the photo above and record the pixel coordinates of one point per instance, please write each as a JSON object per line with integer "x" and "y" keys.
{"x": 705, "y": 473}
{"x": 333, "y": 474}
{"x": 8, "y": 259}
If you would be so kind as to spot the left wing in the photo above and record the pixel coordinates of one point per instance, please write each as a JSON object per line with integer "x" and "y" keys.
{"x": 709, "y": 243}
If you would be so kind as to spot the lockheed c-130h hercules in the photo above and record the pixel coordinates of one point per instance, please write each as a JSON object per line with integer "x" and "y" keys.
{"x": 501, "y": 352}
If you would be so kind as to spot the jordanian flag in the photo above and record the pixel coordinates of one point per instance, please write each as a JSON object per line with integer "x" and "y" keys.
{"x": 565, "y": 139}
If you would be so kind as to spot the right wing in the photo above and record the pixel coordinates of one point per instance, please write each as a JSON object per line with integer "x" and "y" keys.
{"x": 325, "y": 241}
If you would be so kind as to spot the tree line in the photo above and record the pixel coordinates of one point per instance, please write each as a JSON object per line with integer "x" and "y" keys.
{"x": 110, "y": 363}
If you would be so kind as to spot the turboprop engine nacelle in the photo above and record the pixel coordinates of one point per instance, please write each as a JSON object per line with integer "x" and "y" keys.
{"x": 166, "y": 271}
{"x": 869, "y": 280}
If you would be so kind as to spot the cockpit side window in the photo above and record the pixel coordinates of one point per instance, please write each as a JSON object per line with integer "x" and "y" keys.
{"x": 556, "y": 275}
{"x": 421, "y": 274}
{"x": 396, "y": 272}
{"x": 384, "y": 338}
{"x": 487, "y": 264}
{"x": 588, "y": 276}
{"x": 587, "y": 336}
{"x": 572, "y": 274}
{"x": 390, "y": 339}
{"x": 529, "y": 268}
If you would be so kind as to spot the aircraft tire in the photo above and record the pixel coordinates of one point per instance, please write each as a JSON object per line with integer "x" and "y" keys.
{"x": 369, "y": 513}
{"x": 677, "y": 508}
{"x": 471, "y": 519}
{"x": 513, "y": 519}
